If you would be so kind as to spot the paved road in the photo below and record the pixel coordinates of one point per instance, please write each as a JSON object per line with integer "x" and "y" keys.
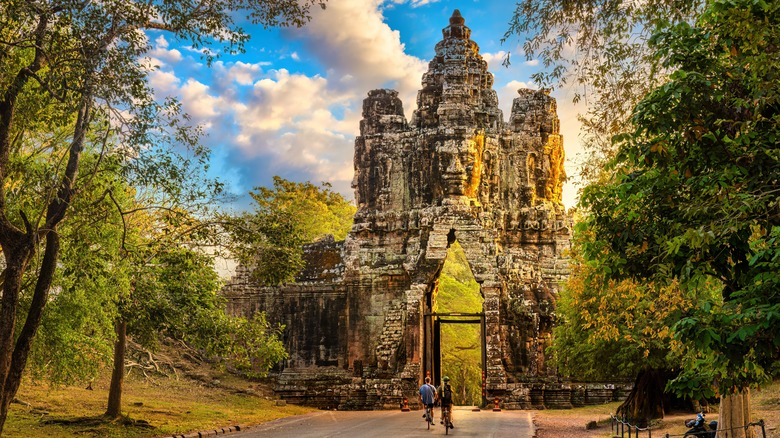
{"x": 376, "y": 424}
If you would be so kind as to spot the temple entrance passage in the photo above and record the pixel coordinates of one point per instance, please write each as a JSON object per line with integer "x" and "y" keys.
{"x": 458, "y": 352}
{"x": 455, "y": 329}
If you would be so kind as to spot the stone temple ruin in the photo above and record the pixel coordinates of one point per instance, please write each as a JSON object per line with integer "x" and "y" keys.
{"x": 360, "y": 326}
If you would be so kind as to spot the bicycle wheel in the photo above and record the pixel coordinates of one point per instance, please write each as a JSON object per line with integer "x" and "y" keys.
{"x": 447, "y": 417}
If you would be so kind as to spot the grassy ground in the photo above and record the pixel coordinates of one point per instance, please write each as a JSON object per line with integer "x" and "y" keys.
{"x": 163, "y": 405}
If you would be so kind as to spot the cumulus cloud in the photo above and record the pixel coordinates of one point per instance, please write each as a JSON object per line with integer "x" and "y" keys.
{"x": 352, "y": 40}
{"x": 494, "y": 60}
{"x": 414, "y": 3}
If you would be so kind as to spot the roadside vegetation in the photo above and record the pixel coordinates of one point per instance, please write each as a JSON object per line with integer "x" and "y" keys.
{"x": 677, "y": 244}
{"x": 556, "y": 423}
{"x": 195, "y": 397}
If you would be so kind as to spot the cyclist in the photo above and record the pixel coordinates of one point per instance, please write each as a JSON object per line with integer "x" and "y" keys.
{"x": 445, "y": 394}
{"x": 428, "y": 395}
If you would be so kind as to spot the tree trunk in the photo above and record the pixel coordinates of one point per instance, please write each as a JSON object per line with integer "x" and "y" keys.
{"x": 12, "y": 283}
{"x": 114, "y": 409}
{"x": 734, "y": 414}
{"x": 646, "y": 399}
{"x": 12, "y": 365}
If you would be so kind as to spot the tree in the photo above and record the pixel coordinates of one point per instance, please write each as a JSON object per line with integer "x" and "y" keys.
{"x": 608, "y": 328}
{"x": 694, "y": 195}
{"x": 74, "y": 339}
{"x": 270, "y": 238}
{"x": 174, "y": 296}
{"x": 72, "y": 80}
{"x": 318, "y": 210}
{"x": 600, "y": 50}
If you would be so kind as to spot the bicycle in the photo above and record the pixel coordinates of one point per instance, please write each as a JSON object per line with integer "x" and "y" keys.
{"x": 447, "y": 419}
{"x": 429, "y": 416}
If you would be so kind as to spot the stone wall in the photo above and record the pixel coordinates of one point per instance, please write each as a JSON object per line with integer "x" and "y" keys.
{"x": 358, "y": 318}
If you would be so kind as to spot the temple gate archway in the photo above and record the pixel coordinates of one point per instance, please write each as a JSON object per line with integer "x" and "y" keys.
{"x": 359, "y": 324}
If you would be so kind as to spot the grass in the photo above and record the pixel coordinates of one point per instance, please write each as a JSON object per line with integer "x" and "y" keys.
{"x": 168, "y": 405}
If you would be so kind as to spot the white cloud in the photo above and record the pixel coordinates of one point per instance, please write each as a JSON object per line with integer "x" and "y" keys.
{"x": 532, "y": 62}
{"x": 245, "y": 74}
{"x": 414, "y": 3}
{"x": 297, "y": 124}
{"x": 494, "y": 60}
{"x": 198, "y": 103}
{"x": 351, "y": 40}
{"x": 283, "y": 98}
{"x": 164, "y": 83}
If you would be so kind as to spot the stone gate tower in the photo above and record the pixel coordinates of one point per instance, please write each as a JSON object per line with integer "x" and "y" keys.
{"x": 360, "y": 328}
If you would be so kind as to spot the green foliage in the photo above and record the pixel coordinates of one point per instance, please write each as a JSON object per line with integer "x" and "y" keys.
{"x": 461, "y": 347}
{"x": 171, "y": 295}
{"x": 318, "y": 210}
{"x": 614, "y": 328}
{"x": 291, "y": 214}
{"x": 74, "y": 340}
{"x": 252, "y": 346}
{"x": 600, "y": 51}
{"x": 73, "y": 83}
{"x": 175, "y": 296}
{"x": 693, "y": 197}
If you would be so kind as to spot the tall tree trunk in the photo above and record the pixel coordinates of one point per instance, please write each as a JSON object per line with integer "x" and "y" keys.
{"x": 12, "y": 283}
{"x": 114, "y": 409}
{"x": 13, "y": 364}
{"x": 646, "y": 399}
{"x": 734, "y": 414}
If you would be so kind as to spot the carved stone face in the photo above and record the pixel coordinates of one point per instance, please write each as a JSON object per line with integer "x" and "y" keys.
{"x": 461, "y": 166}
{"x": 452, "y": 170}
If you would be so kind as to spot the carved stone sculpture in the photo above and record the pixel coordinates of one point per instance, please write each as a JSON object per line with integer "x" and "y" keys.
{"x": 359, "y": 323}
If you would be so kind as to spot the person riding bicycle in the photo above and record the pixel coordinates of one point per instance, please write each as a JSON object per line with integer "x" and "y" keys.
{"x": 445, "y": 395}
{"x": 428, "y": 395}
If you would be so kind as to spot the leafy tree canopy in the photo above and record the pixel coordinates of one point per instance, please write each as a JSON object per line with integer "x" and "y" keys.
{"x": 270, "y": 238}
{"x": 693, "y": 198}
{"x": 609, "y": 328}
{"x": 72, "y": 80}
{"x": 601, "y": 51}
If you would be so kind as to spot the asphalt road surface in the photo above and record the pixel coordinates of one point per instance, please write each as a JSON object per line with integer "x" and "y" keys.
{"x": 376, "y": 424}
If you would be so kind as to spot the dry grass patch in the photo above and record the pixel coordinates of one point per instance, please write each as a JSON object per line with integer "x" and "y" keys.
{"x": 152, "y": 407}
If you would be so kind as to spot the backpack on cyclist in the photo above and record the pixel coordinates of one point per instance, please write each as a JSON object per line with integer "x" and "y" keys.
{"x": 446, "y": 396}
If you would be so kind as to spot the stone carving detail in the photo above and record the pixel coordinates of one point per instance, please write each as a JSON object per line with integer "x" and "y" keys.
{"x": 358, "y": 318}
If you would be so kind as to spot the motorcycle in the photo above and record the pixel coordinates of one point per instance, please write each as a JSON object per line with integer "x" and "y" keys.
{"x": 699, "y": 429}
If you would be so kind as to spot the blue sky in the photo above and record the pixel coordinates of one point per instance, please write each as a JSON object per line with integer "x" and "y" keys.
{"x": 291, "y": 104}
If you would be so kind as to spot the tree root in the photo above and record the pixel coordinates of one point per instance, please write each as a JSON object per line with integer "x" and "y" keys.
{"x": 99, "y": 421}
{"x": 142, "y": 359}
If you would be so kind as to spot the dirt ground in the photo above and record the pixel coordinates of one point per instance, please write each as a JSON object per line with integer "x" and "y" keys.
{"x": 572, "y": 424}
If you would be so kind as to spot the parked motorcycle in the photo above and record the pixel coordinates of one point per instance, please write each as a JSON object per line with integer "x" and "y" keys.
{"x": 699, "y": 429}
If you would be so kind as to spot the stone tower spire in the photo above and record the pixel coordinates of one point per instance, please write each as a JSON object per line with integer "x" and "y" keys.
{"x": 361, "y": 323}
{"x": 457, "y": 88}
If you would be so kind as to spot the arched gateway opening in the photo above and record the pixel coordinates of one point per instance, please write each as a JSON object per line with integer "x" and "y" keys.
{"x": 455, "y": 328}
{"x": 362, "y": 326}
